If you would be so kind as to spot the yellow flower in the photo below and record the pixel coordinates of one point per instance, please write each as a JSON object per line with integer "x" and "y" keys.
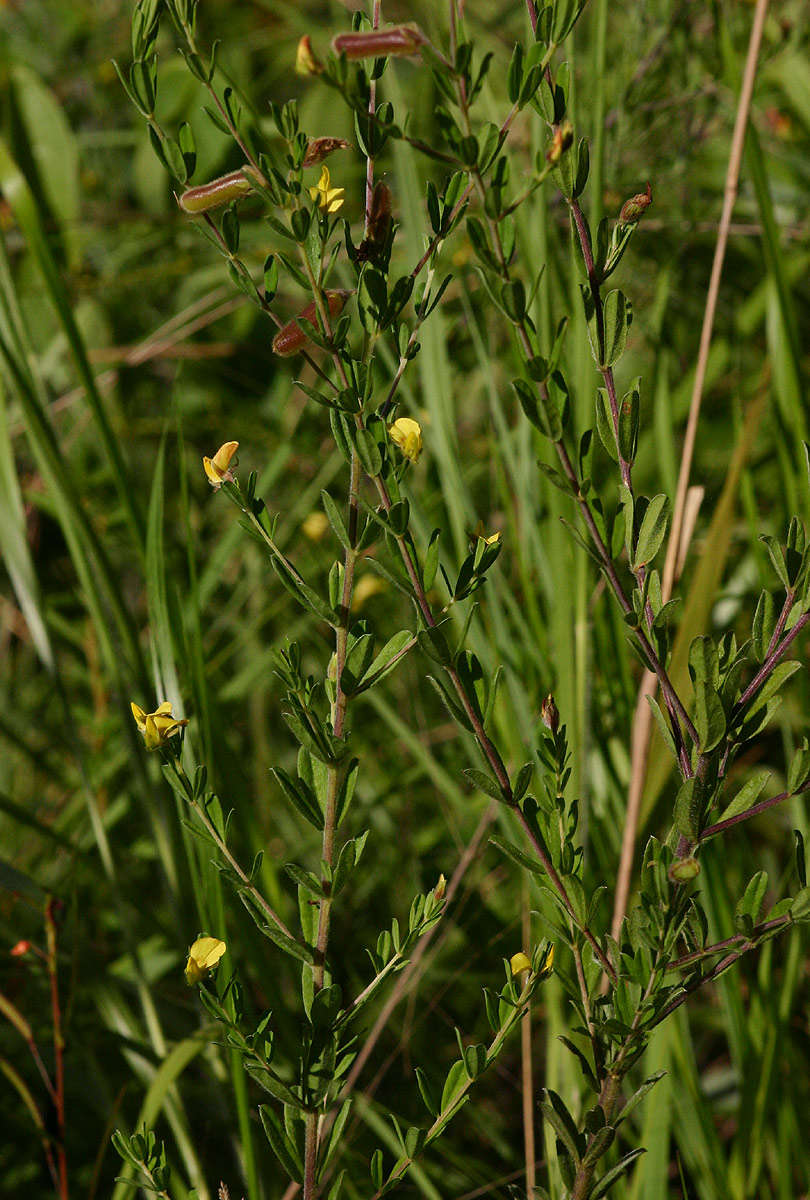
{"x": 157, "y": 727}
{"x": 494, "y": 539}
{"x": 216, "y": 468}
{"x": 203, "y": 956}
{"x": 407, "y": 434}
{"x": 548, "y": 964}
{"x": 520, "y": 962}
{"x": 315, "y": 526}
{"x": 329, "y": 199}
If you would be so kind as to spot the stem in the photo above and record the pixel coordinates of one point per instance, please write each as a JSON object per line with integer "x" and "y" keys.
{"x": 339, "y": 708}
{"x": 750, "y": 940}
{"x": 486, "y": 745}
{"x": 527, "y": 1085}
{"x": 58, "y": 1049}
{"x": 770, "y": 662}
{"x": 753, "y": 811}
{"x": 492, "y": 1052}
{"x": 235, "y": 866}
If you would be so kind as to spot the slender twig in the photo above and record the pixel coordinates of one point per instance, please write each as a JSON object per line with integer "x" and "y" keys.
{"x": 753, "y": 811}
{"x": 729, "y": 960}
{"x": 771, "y": 659}
{"x": 411, "y": 974}
{"x": 526, "y": 1081}
{"x": 58, "y": 1047}
{"x": 642, "y": 723}
{"x": 687, "y": 960}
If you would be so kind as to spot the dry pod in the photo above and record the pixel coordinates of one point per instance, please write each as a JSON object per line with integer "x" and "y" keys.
{"x": 379, "y": 224}
{"x": 394, "y": 41}
{"x": 219, "y": 192}
{"x": 320, "y": 148}
{"x": 634, "y": 208}
{"x": 291, "y": 338}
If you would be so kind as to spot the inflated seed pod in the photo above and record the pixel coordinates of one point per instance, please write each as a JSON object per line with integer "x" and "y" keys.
{"x": 291, "y": 338}
{"x": 219, "y": 191}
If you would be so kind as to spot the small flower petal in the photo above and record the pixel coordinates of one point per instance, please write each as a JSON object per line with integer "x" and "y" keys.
{"x": 520, "y": 962}
{"x": 329, "y": 199}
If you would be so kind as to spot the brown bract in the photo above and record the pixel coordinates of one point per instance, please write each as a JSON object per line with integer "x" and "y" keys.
{"x": 320, "y": 148}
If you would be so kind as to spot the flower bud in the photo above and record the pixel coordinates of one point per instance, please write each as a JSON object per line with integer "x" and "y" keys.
{"x": 21, "y": 948}
{"x": 393, "y": 41}
{"x": 634, "y": 208}
{"x": 319, "y": 148}
{"x": 291, "y": 338}
{"x": 440, "y": 888}
{"x": 306, "y": 60}
{"x": 549, "y": 714}
{"x": 219, "y": 192}
{"x": 684, "y": 870}
{"x": 561, "y": 140}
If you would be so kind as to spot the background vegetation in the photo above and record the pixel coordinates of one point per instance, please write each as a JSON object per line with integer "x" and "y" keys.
{"x": 124, "y": 580}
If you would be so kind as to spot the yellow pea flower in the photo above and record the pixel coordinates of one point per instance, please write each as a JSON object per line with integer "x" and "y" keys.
{"x": 520, "y": 962}
{"x": 157, "y": 727}
{"x": 217, "y": 468}
{"x": 407, "y": 434}
{"x": 203, "y": 956}
{"x": 329, "y": 199}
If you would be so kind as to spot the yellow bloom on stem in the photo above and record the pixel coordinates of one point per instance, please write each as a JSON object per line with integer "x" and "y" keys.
{"x": 217, "y": 468}
{"x": 203, "y": 956}
{"x": 407, "y": 434}
{"x": 520, "y": 962}
{"x": 157, "y": 727}
{"x": 329, "y": 199}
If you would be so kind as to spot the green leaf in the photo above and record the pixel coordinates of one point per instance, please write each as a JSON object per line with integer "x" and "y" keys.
{"x": 652, "y": 532}
{"x": 283, "y": 1147}
{"x": 288, "y": 944}
{"x": 710, "y": 718}
{"x": 746, "y": 796}
{"x": 614, "y": 1174}
{"x": 618, "y": 316}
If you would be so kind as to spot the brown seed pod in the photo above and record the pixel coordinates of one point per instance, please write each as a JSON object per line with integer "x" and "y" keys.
{"x": 291, "y": 338}
{"x": 634, "y": 208}
{"x": 394, "y": 41}
{"x": 218, "y": 192}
